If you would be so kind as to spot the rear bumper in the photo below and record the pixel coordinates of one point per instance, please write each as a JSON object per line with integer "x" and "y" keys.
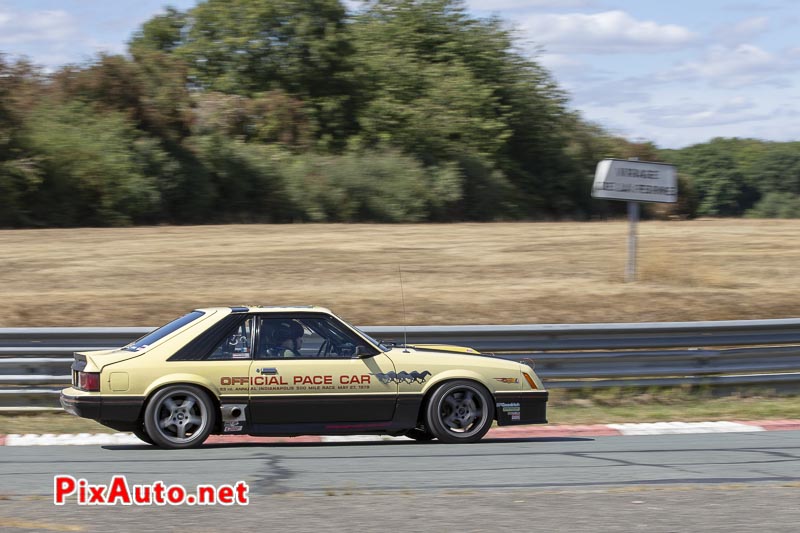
{"x": 521, "y": 407}
{"x": 82, "y": 406}
{"x": 104, "y": 409}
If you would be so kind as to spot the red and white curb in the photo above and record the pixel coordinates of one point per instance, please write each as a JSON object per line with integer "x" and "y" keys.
{"x": 516, "y": 432}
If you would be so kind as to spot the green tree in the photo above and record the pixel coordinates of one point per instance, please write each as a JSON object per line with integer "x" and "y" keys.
{"x": 20, "y": 175}
{"x": 248, "y": 47}
{"x": 445, "y": 86}
{"x": 269, "y": 118}
{"x": 162, "y": 33}
{"x": 717, "y": 176}
{"x": 151, "y": 91}
{"x": 94, "y": 168}
{"x": 773, "y": 167}
{"x": 383, "y": 185}
{"x": 776, "y": 205}
{"x": 244, "y": 180}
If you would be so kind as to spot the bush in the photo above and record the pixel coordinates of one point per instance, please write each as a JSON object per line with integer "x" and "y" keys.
{"x": 379, "y": 186}
{"x": 93, "y": 167}
{"x": 245, "y": 180}
{"x": 776, "y": 205}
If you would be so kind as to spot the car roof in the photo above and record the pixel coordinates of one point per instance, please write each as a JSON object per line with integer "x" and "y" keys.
{"x": 264, "y": 309}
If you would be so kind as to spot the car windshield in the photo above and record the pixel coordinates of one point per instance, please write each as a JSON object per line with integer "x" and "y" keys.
{"x": 373, "y": 340}
{"x": 163, "y": 331}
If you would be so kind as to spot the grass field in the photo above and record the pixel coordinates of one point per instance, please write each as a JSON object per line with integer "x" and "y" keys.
{"x": 500, "y": 273}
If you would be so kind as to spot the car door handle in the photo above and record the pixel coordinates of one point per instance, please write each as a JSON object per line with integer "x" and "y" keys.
{"x": 267, "y": 371}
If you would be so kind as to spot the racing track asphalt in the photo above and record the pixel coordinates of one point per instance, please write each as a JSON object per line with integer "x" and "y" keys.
{"x": 696, "y": 482}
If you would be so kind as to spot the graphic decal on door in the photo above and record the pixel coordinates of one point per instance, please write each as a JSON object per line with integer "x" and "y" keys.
{"x": 414, "y": 376}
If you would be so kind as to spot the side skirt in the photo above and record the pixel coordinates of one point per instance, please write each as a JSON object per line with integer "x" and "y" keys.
{"x": 406, "y": 417}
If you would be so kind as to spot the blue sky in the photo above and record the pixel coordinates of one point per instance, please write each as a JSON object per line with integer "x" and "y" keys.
{"x": 677, "y": 72}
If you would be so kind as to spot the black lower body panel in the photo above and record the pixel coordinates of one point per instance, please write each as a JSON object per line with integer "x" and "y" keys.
{"x": 118, "y": 412}
{"x": 351, "y": 416}
{"x": 521, "y": 407}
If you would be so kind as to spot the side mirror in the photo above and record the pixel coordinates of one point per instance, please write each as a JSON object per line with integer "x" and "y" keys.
{"x": 362, "y": 351}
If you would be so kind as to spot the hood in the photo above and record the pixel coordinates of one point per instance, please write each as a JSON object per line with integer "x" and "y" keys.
{"x": 443, "y": 357}
{"x": 449, "y": 348}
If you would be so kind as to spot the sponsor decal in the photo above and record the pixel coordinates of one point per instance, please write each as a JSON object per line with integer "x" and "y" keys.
{"x": 232, "y": 426}
{"x": 512, "y": 409}
{"x": 402, "y": 377}
{"x": 508, "y": 380}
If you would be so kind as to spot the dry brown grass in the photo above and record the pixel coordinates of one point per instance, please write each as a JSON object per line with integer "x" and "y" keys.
{"x": 453, "y": 273}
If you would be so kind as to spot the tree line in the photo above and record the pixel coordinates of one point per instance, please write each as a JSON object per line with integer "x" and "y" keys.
{"x": 289, "y": 111}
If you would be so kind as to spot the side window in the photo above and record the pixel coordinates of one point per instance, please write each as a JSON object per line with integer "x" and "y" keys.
{"x": 235, "y": 344}
{"x": 163, "y": 331}
{"x": 337, "y": 342}
{"x": 281, "y": 338}
{"x": 306, "y": 338}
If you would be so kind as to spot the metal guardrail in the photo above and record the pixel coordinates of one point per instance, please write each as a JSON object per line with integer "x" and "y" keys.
{"x": 34, "y": 362}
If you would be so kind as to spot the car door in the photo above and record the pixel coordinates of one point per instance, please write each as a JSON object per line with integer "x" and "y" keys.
{"x": 332, "y": 378}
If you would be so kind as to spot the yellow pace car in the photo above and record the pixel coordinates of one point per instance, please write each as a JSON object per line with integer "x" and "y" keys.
{"x": 295, "y": 371}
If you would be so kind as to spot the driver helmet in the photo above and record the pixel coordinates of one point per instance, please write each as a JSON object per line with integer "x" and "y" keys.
{"x": 285, "y": 330}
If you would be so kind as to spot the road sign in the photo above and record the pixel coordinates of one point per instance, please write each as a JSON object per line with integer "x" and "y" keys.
{"x": 620, "y": 179}
{"x": 635, "y": 181}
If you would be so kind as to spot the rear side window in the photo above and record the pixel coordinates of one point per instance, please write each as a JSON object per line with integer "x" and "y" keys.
{"x": 162, "y": 332}
{"x": 235, "y": 344}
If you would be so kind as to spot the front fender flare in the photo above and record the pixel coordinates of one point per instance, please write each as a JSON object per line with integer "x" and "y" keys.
{"x": 451, "y": 375}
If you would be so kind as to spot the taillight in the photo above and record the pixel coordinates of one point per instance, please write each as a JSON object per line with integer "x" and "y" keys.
{"x": 89, "y": 381}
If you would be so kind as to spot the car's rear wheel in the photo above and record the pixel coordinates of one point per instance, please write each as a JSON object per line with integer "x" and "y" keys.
{"x": 179, "y": 416}
{"x": 459, "y": 412}
{"x": 142, "y": 435}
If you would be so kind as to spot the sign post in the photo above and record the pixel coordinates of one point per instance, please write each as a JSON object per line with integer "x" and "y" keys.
{"x": 635, "y": 181}
{"x": 633, "y": 219}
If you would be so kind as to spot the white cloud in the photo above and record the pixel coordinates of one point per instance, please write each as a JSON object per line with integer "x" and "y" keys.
{"x": 18, "y": 28}
{"x": 561, "y": 62}
{"x": 751, "y": 26}
{"x": 737, "y": 103}
{"x": 497, "y": 5}
{"x": 735, "y": 67}
{"x": 758, "y": 7}
{"x": 743, "y": 31}
{"x": 604, "y": 33}
{"x": 699, "y": 115}
{"x": 610, "y": 94}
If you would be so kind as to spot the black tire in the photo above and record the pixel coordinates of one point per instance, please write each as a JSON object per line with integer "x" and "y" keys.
{"x": 421, "y": 435}
{"x": 179, "y": 416}
{"x": 460, "y": 412}
{"x": 142, "y": 435}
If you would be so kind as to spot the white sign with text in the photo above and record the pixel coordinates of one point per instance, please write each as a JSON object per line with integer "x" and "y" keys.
{"x": 620, "y": 179}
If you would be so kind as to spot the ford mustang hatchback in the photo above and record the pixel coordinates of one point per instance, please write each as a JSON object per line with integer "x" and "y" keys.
{"x": 295, "y": 371}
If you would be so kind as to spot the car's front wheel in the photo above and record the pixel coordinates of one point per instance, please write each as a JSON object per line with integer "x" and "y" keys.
{"x": 179, "y": 416}
{"x": 459, "y": 412}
